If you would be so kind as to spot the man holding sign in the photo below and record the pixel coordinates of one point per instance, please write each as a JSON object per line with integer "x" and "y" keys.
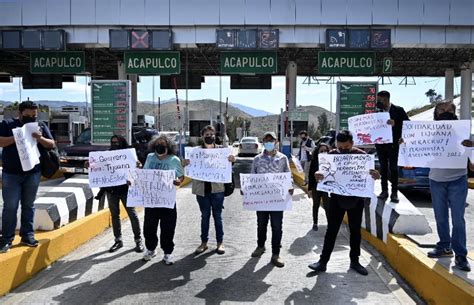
{"x": 340, "y": 205}
{"x": 20, "y": 184}
{"x": 270, "y": 161}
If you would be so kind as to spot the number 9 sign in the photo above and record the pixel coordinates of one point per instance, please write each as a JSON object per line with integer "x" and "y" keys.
{"x": 387, "y": 65}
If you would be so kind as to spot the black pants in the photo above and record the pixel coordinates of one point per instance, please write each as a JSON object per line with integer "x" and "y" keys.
{"x": 388, "y": 158}
{"x": 317, "y": 197}
{"x": 335, "y": 217}
{"x": 114, "y": 207}
{"x": 276, "y": 219}
{"x": 167, "y": 220}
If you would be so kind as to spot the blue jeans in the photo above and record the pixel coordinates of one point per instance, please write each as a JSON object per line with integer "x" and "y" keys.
{"x": 450, "y": 195}
{"x": 211, "y": 203}
{"x": 19, "y": 188}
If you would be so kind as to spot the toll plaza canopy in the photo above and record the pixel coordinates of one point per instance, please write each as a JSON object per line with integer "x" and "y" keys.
{"x": 399, "y": 37}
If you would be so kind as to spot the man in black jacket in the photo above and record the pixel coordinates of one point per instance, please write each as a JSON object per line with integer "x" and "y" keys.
{"x": 388, "y": 153}
{"x": 340, "y": 205}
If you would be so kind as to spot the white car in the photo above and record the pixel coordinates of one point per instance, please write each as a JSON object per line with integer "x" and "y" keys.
{"x": 249, "y": 146}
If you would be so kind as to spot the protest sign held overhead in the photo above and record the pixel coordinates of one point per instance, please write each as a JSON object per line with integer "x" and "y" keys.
{"x": 111, "y": 168}
{"x": 266, "y": 192}
{"x": 27, "y": 146}
{"x": 371, "y": 128}
{"x": 347, "y": 175}
{"x": 210, "y": 165}
{"x": 297, "y": 164}
{"x": 152, "y": 188}
{"x": 434, "y": 144}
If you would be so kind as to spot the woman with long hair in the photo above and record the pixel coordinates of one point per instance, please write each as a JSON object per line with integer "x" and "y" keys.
{"x": 317, "y": 196}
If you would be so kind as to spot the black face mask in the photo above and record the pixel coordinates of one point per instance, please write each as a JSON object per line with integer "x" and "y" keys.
{"x": 380, "y": 106}
{"x": 447, "y": 116}
{"x": 209, "y": 140}
{"x": 344, "y": 151}
{"x": 303, "y": 138}
{"x": 160, "y": 149}
{"x": 114, "y": 146}
{"x": 28, "y": 119}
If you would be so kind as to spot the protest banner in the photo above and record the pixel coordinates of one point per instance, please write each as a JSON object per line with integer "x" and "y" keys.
{"x": 297, "y": 164}
{"x": 27, "y": 146}
{"x": 210, "y": 165}
{"x": 112, "y": 167}
{"x": 371, "y": 128}
{"x": 347, "y": 175}
{"x": 434, "y": 144}
{"x": 152, "y": 188}
{"x": 266, "y": 192}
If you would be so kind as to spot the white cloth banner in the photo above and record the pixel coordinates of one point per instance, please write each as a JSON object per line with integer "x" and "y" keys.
{"x": 297, "y": 164}
{"x": 112, "y": 167}
{"x": 266, "y": 192}
{"x": 152, "y": 188}
{"x": 347, "y": 174}
{"x": 27, "y": 146}
{"x": 210, "y": 165}
{"x": 434, "y": 144}
{"x": 371, "y": 128}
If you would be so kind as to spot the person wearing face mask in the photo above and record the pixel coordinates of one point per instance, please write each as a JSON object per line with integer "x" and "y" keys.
{"x": 115, "y": 195}
{"x": 163, "y": 158}
{"x": 270, "y": 161}
{"x": 210, "y": 197}
{"x": 19, "y": 186}
{"x": 317, "y": 196}
{"x": 449, "y": 190}
{"x": 304, "y": 154}
{"x": 388, "y": 153}
{"x": 338, "y": 207}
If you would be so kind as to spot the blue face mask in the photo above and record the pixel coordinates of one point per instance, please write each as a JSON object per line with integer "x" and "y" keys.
{"x": 269, "y": 146}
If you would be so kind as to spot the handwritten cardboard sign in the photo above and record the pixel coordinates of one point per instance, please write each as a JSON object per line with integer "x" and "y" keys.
{"x": 27, "y": 146}
{"x": 371, "y": 128}
{"x": 266, "y": 192}
{"x": 434, "y": 144}
{"x": 152, "y": 188}
{"x": 347, "y": 174}
{"x": 297, "y": 164}
{"x": 210, "y": 165}
{"x": 112, "y": 167}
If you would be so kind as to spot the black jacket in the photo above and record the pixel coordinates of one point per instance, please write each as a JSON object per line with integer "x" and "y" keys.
{"x": 399, "y": 115}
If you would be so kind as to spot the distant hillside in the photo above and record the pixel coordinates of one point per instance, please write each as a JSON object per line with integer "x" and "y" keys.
{"x": 252, "y": 111}
{"x": 270, "y": 123}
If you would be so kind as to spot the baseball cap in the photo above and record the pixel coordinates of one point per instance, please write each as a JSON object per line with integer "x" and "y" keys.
{"x": 270, "y": 133}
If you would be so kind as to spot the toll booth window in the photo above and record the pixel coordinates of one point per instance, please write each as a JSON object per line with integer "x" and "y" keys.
{"x": 32, "y": 40}
{"x": 247, "y": 39}
{"x": 161, "y": 40}
{"x": 359, "y": 39}
{"x": 381, "y": 39}
{"x": 118, "y": 39}
{"x": 139, "y": 40}
{"x": 226, "y": 39}
{"x": 11, "y": 39}
{"x": 268, "y": 39}
{"x": 53, "y": 40}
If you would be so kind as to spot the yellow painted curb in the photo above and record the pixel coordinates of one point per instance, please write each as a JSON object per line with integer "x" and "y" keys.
{"x": 22, "y": 263}
{"x": 435, "y": 283}
{"x": 470, "y": 182}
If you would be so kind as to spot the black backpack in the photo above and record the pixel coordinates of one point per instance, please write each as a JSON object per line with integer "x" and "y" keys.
{"x": 229, "y": 187}
{"x": 49, "y": 160}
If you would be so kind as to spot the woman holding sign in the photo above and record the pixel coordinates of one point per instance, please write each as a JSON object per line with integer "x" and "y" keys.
{"x": 163, "y": 158}
{"x": 313, "y": 184}
{"x": 210, "y": 197}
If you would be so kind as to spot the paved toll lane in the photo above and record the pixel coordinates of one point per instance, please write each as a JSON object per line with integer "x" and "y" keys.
{"x": 92, "y": 275}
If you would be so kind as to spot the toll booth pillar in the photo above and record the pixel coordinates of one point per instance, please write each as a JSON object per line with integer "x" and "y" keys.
{"x": 291, "y": 74}
{"x": 466, "y": 91}
{"x": 449, "y": 84}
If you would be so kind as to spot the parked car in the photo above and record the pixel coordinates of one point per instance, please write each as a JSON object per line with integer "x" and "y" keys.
{"x": 236, "y": 144}
{"x": 73, "y": 157}
{"x": 249, "y": 146}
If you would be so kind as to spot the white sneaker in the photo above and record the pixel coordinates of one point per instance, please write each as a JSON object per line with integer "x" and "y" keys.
{"x": 149, "y": 254}
{"x": 167, "y": 259}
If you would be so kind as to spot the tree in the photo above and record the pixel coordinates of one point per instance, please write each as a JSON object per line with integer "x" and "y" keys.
{"x": 313, "y": 132}
{"x": 234, "y": 124}
{"x": 324, "y": 126}
{"x": 431, "y": 94}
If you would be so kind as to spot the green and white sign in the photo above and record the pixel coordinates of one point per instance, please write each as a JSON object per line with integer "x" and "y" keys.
{"x": 57, "y": 62}
{"x": 298, "y": 116}
{"x": 346, "y": 63}
{"x": 387, "y": 65}
{"x": 111, "y": 111}
{"x": 354, "y": 98}
{"x": 156, "y": 63}
{"x": 249, "y": 62}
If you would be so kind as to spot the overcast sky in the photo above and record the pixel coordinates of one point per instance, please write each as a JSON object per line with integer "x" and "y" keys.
{"x": 269, "y": 100}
